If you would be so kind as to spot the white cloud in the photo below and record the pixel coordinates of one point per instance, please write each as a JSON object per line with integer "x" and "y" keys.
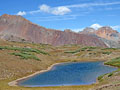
{"x": 92, "y": 4}
{"x": 95, "y": 26}
{"x": 78, "y": 30}
{"x": 55, "y": 18}
{"x": 116, "y": 27}
{"x": 61, "y": 10}
{"x": 33, "y": 12}
{"x": 21, "y": 13}
{"x": 45, "y": 8}
{"x": 112, "y": 8}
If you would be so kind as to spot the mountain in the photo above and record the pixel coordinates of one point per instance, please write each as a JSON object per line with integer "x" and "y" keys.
{"x": 109, "y": 36}
{"x": 88, "y": 30}
{"x": 108, "y": 33}
{"x": 17, "y": 28}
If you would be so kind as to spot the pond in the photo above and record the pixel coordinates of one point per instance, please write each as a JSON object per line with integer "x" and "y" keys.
{"x": 64, "y": 74}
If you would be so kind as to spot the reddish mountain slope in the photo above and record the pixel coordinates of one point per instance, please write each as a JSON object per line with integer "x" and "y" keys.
{"x": 108, "y": 33}
{"x": 14, "y": 27}
{"x": 105, "y": 32}
{"x": 109, "y": 36}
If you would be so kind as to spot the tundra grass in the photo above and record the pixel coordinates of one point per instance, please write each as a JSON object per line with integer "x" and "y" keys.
{"x": 114, "y": 62}
{"x": 18, "y": 67}
{"x": 26, "y": 55}
{"x": 23, "y": 49}
{"x": 82, "y": 49}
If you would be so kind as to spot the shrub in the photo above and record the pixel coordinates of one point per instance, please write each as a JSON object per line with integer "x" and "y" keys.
{"x": 110, "y": 74}
{"x": 106, "y": 53}
{"x": 109, "y": 49}
{"x": 25, "y": 55}
{"x": 72, "y": 51}
{"x": 114, "y": 62}
{"x": 24, "y": 49}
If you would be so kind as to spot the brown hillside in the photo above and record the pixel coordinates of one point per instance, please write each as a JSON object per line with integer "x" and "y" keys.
{"x": 14, "y": 27}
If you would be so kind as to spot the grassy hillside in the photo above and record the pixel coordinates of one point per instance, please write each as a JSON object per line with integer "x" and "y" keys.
{"x": 22, "y": 59}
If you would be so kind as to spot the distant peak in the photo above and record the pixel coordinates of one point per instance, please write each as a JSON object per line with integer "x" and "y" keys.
{"x": 11, "y": 16}
{"x": 14, "y": 17}
{"x": 106, "y": 27}
{"x": 89, "y": 29}
{"x": 68, "y": 30}
{"x": 5, "y": 15}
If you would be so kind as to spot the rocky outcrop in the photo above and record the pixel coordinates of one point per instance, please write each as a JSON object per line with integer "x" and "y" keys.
{"x": 106, "y": 34}
{"x": 14, "y": 27}
{"x": 88, "y": 30}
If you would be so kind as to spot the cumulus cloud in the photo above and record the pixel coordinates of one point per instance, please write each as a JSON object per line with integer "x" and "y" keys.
{"x": 21, "y": 13}
{"x": 45, "y": 8}
{"x": 61, "y": 10}
{"x": 95, "y": 26}
{"x": 116, "y": 27}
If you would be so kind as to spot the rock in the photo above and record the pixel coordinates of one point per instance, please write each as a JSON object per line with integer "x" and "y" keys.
{"x": 17, "y": 28}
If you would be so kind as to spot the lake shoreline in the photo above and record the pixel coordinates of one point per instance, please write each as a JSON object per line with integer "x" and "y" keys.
{"x": 15, "y": 82}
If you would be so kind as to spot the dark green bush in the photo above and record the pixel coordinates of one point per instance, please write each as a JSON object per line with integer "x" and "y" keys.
{"x": 109, "y": 49}
{"x": 110, "y": 74}
{"x": 114, "y": 62}
{"x": 24, "y": 49}
{"x": 26, "y": 55}
{"x": 106, "y": 53}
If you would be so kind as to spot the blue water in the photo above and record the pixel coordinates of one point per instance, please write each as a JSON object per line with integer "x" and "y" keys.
{"x": 80, "y": 73}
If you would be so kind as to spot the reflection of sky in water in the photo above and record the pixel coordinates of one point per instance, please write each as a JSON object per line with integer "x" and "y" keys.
{"x": 81, "y": 73}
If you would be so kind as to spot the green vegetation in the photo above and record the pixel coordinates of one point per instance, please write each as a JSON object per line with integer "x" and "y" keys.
{"x": 108, "y": 53}
{"x": 26, "y": 55}
{"x": 22, "y": 66}
{"x": 101, "y": 77}
{"x": 90, "y": 47}
{"x": 82, "y": 49}
{"x": 109, "y": 49}
{"x": 72, "y": 51}
{"x": 110, "y": 74}
{"x": 114, "y": 62}
{"x": 23, "y": 49}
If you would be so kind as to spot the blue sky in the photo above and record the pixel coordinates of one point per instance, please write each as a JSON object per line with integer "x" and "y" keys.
{"x": 66, "y": 14}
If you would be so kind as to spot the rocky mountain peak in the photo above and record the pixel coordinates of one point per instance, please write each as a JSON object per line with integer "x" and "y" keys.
{"x": 108, "y": 33}
{"x": 13, "y": 19}
{"x": 106, "y": 29}
{"x": 89, "y": 29}
{"x": 12, "y": 27}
